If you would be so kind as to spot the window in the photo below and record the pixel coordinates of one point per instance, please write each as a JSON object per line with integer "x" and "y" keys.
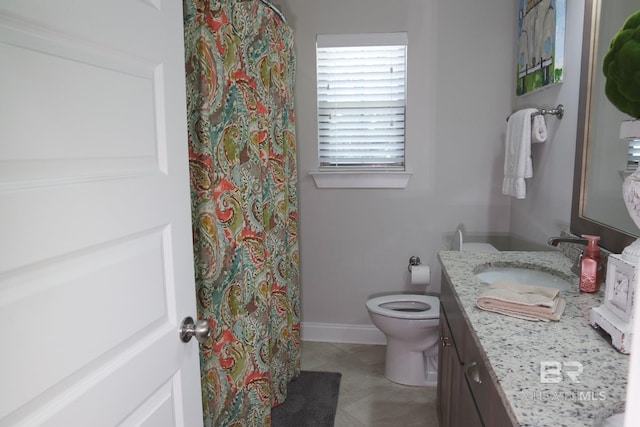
{"x": 361, "y": 89}
{"x": 633, "y": 155}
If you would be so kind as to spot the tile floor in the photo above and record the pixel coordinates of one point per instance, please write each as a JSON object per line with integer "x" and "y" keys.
{"x": 367, "y": 398}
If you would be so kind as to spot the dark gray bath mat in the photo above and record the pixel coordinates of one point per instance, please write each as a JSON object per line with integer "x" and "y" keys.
{"x": 312, "y": 400}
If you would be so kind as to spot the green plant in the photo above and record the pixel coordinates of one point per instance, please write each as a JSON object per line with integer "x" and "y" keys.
{"x": 621, "y": 67}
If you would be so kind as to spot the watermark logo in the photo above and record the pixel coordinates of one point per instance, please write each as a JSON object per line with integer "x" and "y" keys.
{"x": 563, "y": 395}
{"x": 564, "y": 380}
{"x": 554, "y": 372}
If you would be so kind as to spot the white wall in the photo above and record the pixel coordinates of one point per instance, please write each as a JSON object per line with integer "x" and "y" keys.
{"x": 547, "y": 208}
{"x": 355, "y": 243}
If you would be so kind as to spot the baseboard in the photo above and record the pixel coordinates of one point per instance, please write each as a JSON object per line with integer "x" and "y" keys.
{"x": 344, "y": 333}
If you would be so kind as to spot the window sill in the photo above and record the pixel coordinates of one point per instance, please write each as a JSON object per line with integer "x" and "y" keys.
{"x": 361, "y": 179}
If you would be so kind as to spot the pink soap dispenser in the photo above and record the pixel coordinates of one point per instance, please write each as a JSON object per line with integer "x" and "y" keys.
{"x": 590, "y": 276}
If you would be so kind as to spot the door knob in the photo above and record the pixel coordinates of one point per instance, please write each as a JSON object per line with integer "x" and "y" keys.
{"x": 199, "y": 329}
{"x": 473, "y": 372}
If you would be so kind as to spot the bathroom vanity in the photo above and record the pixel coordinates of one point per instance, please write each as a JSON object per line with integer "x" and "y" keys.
{"x": 466, "y": 395}
{"x": 490, "y": 364}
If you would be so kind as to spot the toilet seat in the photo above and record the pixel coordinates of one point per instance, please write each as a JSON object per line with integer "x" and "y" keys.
{"x": 406, "y": 306}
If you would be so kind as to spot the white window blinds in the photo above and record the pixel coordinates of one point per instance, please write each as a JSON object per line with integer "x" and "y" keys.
{"x": 361, "y": 86}
{"x": 633, "y": 155}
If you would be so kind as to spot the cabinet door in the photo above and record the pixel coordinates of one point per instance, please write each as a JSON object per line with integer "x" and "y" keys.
{"x": 455, "y": 403}
{"x": 483, "y": 389}
{"x": 466, "y": 414}
{"x": 448, "y": 367}
{"x": 467, "y": 397}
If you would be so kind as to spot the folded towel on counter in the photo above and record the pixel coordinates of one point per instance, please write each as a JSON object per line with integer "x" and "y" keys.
{"x": 522, "y": 301}
{"x": 517, "y": 156}
{"x": 538, "y": 129}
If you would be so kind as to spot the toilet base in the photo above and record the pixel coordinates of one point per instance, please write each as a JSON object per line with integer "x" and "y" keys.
{"x": 412, "y": 368}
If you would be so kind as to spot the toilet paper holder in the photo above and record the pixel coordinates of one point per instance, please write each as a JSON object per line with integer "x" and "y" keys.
{"x": 414, "y": 260}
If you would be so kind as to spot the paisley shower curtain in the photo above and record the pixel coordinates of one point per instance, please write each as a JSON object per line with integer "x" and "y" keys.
{"x": 240, "y": 69}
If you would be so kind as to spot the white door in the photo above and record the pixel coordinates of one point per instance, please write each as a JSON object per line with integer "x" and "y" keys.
{"x": 96, "y": 268}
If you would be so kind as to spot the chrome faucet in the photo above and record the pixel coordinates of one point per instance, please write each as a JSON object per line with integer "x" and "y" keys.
{"x": 553, "y": 241}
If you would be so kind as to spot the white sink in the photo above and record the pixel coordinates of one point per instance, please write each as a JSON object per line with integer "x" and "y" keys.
{"x": 525, "y": 276}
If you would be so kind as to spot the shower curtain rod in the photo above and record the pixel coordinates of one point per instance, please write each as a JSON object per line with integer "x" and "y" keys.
{"x": 275, "y": 9}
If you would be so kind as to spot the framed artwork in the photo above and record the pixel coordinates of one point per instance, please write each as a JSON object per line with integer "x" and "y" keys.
{"x": 541, "y": 29}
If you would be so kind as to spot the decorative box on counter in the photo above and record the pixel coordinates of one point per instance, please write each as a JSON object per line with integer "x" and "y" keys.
{"x": 615, "y": 316}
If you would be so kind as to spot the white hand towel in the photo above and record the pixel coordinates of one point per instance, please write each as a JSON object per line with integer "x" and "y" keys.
{"x": 538, "y": 129}
{"x": 517, "y": 157}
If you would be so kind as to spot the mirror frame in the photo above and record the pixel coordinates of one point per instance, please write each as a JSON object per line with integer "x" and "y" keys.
{"x": 611, "y": 238}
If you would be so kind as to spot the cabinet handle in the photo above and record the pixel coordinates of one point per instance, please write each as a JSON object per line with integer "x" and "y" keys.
{"x": 445, "y": 342}
{"x": 473, "y": 373}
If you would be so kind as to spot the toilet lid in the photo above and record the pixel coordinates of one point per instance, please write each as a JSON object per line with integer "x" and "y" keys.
{"x": 478, "y": 247}
{"x": 406, "y": 306}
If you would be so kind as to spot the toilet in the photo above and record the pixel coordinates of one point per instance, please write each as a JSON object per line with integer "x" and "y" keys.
{"x": 458, "y": 244}
{"x": 410, "y": 323}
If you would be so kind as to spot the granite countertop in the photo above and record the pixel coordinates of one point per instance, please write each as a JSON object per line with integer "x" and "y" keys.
{"x": 513, "y": 348}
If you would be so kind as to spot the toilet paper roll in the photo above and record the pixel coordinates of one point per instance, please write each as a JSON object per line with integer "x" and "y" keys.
{"x": 420, "y": 274}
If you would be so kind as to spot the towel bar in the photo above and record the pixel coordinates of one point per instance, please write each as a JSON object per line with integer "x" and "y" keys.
{"x": 558, "y": 112}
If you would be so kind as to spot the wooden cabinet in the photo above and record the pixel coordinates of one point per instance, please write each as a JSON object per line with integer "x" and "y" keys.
{"x": 448, "y": 372}
{"x": 456, "y": 406}
{"x": 467, "y": 397}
